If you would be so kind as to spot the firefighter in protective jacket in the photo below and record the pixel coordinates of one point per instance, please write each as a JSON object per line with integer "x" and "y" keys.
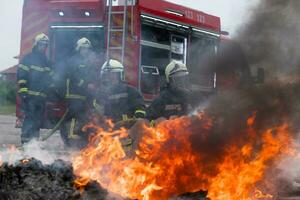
{"x": 80, "y": 81}
{"x": 34, "y": 77}
{"x": 173, "y": 100}
{"x": 118, "y": 100}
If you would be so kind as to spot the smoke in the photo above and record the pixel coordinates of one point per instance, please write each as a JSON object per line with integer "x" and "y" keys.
{"x": 46, "y": 152}
{"x": 271, "y": 38}
{"x": 270, "y": 41}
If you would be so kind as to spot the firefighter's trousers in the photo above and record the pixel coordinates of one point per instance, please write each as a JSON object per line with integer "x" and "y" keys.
{"x": 33, "y": 109}
{"x": 75, "y": 120}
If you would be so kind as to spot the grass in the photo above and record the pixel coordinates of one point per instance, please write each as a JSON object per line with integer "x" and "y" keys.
{"x": 7, "y": 109}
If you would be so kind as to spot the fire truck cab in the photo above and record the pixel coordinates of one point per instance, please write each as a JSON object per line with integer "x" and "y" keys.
{"x": 145, "y": 35}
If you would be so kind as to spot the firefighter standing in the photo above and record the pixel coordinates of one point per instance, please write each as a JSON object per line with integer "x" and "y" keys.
{"x": 173, "y": 101}
{"x": 34, "y": 78}
{"x": 80, "y": 82}
{"x": 118, "y": 100}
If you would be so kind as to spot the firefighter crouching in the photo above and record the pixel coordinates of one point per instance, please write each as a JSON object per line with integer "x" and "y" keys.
{"x": 117, "y": 100}
{"x": 173, "y": 100}
{"x": 34, "y": 77}
{"x": 80, "y": 82}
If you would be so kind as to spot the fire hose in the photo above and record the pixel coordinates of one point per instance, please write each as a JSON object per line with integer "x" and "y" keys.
{"x": 56, "y": 127}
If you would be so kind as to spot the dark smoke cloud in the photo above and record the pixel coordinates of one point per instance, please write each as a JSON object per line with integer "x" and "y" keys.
{"x": 271, "y": 38}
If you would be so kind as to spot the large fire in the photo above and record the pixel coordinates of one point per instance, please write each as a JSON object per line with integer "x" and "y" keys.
{"x": 167, "y": 160}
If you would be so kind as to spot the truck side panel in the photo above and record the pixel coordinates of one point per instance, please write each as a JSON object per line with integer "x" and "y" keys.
{"x": 180, "y": 14}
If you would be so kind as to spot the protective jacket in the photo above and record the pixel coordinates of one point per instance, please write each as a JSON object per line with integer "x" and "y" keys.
{"x": 34, "y": 75}
{"x": 169, "y": 103}
{"x": 81, "y": 73}
{"x": 121, "y": 101}
{"x": 34, "y": 78}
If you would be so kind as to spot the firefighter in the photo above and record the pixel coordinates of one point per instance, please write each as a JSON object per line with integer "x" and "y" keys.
{"x": 34, "y": 78}
{"x": 118, "y": 100}
{"x": 80, "y": 83}
{"x": 173, "y": 100}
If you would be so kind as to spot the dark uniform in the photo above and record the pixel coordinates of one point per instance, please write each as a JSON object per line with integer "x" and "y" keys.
{"x": 34, "y": 78}
{"x": 169, "y": 103}
{"x": 122, "y": 102}
{"x": 81, "y": 74}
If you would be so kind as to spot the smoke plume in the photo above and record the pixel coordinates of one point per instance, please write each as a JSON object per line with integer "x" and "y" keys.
{"x": 271, "y": 38}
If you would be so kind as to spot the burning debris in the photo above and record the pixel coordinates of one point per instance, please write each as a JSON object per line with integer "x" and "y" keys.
{"x": 230, "y": 156}
{"x": 30, "y": 179}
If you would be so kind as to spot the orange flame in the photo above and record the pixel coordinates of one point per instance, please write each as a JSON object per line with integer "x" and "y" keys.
{"x": 80, "y": 184}
{"x": 259, "y": 195}
{"x": 24, "y": 161}
{"x": 166, "y": 165}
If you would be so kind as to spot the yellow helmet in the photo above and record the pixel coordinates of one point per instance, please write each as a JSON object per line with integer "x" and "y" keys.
{"x": 41, "y": 38}
{"x": 174, "y": 67}
{"x": 112, "y": 67}
{"x": 83, "y": 42}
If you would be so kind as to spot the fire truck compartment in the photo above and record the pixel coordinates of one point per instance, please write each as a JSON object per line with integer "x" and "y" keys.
{"x": 65, "y": 36}
{"x": 163, "y": 41}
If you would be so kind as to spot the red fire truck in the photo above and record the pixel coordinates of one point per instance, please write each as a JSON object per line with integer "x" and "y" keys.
{"x": 143, "y": 34}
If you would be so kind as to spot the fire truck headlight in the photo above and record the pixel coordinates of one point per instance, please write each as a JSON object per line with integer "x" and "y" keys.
{"x": 61, "y": 13}
{"x": 87, "y": 14}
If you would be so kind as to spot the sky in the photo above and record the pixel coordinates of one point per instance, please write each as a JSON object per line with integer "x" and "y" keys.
{"x": 233, "y": 14}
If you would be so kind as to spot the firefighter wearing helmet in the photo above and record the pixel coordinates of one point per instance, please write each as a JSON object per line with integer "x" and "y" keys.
{"x": 173, "y": 100}
{"x": 34, "y": 77}
{"x": 118, "y": 100}
{"x": 80, "y": 83}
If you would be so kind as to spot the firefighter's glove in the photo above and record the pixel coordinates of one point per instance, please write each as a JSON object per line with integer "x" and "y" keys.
{"x": 140, "y": 114}
{"x": 98, "y": 108}
{"x": 152, "y": 123}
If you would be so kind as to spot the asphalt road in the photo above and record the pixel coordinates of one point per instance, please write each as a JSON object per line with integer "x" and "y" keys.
{"x": 9, "y": 135}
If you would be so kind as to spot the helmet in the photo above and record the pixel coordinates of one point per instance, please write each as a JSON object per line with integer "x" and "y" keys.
{"x": 111, "y": 70}
{"x": 177, "y": 77}
{"x": 83, "y": 42}
{"x": 42, "y": 39}
{"x": 174, "y": 68}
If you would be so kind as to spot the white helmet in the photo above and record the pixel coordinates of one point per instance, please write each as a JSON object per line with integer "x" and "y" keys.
{"x": 174, "y": 67}
{"x": 112, "y": 67}
{"x": 83, "y": 42}
{"x": 41, "y": 38}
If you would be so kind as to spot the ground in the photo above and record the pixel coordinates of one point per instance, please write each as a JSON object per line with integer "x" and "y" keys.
{"x": 11, "y": 135}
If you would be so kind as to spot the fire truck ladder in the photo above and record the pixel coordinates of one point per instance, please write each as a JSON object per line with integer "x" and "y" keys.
{"x": 112, "y": 29}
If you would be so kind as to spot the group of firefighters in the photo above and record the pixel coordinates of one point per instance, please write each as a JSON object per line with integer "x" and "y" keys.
{"x": 114, "y": 99}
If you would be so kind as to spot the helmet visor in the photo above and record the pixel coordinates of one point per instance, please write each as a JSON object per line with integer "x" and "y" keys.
{"x": 43, "y": 42}
{"x": 108, "y": 77}
{"x": 180, "y": 80}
